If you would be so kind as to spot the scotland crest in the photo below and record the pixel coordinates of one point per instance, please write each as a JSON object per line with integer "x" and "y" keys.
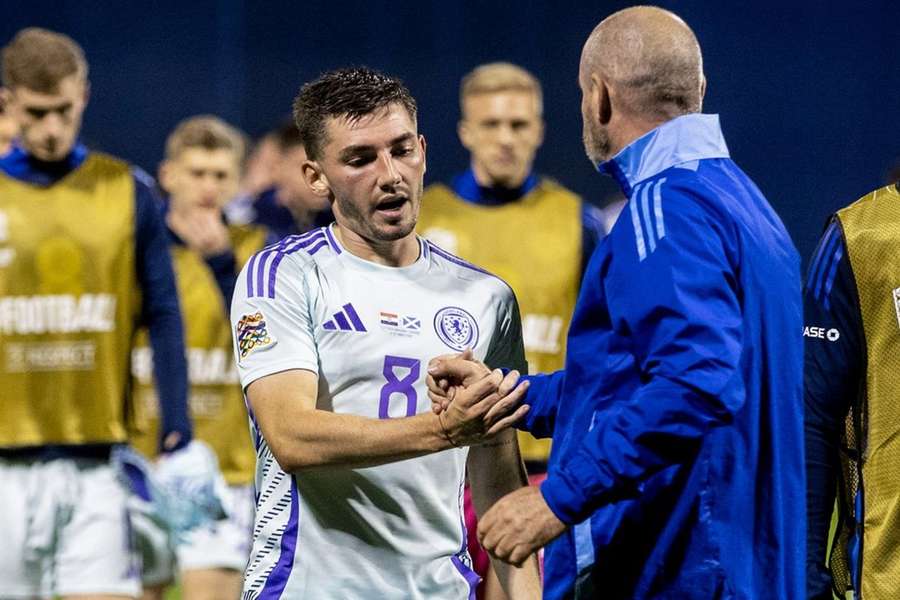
{"x": 456, "y": 328}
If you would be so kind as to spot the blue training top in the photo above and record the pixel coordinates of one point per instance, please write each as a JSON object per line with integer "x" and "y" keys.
{"x": 678, "y": 420}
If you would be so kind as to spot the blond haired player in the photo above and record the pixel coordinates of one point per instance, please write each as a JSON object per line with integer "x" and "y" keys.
{"x": 201, "y": 173}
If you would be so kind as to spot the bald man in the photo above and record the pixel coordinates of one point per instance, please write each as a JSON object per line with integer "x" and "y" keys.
{"x": 677, "y": 469}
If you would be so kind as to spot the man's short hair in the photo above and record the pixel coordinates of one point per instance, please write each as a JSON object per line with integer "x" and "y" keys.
{"x": 499, "y": 77}
{"x": 350, "y": 93}
{"x": 208, "y": 133}
{"x": 287, "y": 136}
{"x": 39, "y": 59}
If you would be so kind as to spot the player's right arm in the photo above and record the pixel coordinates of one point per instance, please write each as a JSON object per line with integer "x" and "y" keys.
{"x": 833, "y": 367}
{"x": 278, "y": 364}
{"x": 302, "y": 436}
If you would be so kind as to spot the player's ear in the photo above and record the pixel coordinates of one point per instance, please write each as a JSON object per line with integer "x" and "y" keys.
{"x": 315, "y": 178}
{"x": 423, "y": 145}
{"x": 464, "y": 131}
{"x": 166, "y": 175}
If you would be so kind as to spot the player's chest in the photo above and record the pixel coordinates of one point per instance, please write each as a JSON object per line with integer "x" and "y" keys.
{"x": 371, "y": 327}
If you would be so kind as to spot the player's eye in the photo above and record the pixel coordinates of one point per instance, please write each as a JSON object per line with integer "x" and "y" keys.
{"x": 403, "y": 150}
{"x": 221, "y": 175}
{"x": 196, "y": 173}
{"x": 359, "y": 161}
{"x": 36, "y": 113}
{"x": 491, "y": 124}
{"x": 519, "y": 125}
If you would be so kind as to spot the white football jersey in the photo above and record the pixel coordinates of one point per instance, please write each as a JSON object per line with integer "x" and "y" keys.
{"x": 368, "y": 331}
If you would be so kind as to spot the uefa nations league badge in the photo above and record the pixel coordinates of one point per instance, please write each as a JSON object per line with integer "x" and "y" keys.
{"x": 456, "y": 328}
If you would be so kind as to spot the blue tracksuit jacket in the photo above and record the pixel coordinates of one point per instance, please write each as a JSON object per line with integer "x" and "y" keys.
{"x": 678, "y": 420}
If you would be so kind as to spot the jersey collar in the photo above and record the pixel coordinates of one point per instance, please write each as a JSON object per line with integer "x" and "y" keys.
{"x": 467, "y": 187}
{"x": 409, "y": 272}
{"x": 683, "y": 139}
{"x": 18, "y": 164}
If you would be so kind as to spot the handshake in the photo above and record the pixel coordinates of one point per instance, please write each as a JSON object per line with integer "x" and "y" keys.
{"x": 473, "y": 403}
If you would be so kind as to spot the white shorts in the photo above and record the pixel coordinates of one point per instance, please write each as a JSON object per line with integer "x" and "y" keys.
{"x": 224, "y": 544}
{"x": 64, "y": 530}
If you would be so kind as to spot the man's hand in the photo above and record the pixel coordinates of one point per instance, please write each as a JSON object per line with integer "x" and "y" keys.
{"x": 479, "y": 411}
{"x": 518, "y": 525}
{"x": 203, "y": 231}
{"x": 449, "y": 372}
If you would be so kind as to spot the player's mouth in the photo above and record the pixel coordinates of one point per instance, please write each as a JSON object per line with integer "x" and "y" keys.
{"x": 391, "y": 207}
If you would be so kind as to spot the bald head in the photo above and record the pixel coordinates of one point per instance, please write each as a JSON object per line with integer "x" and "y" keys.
{"x": 653, "y": 59}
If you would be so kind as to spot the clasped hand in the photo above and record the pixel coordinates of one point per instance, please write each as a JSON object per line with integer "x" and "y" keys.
{"x": 473, "y": 402}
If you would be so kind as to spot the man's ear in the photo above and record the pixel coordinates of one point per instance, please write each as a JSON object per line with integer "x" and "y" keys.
{"x": 601, "y": 98}
{"x": 315, "y": 178}
{"x": 464, "y": 131}
{"x": 702, "y": 92}
{"x": 166, "y": 175}
{"x": 424, "y": 146}
{"x": 5, "y": 99}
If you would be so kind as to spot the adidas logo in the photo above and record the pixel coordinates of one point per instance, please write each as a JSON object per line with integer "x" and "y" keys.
{"x": 345, "y": 319}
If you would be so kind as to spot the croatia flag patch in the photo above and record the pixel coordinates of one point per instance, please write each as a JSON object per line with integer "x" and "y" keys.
{"x": 252, "y": 334}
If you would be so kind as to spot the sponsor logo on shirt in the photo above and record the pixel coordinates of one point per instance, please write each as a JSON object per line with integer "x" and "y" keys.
{"x": 456, "y": 328}
{"x": 346, "y": 319}
{"x": 397, "y": 324}
{"x": 252, "y": 334}
{"x": 820, "y": 333}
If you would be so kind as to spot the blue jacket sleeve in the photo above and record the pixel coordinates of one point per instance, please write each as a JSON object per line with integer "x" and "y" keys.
{"x": 543, "y": 398}
{"x": 833, "y": 369}
{"x": 676, "y": 302}
{"x": 160, "y": 311}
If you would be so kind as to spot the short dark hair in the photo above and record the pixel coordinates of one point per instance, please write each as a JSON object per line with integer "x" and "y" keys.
{"x": 287, "y": 136}
{"x": 353, "y": 93}
{"x": 39, "y": 59}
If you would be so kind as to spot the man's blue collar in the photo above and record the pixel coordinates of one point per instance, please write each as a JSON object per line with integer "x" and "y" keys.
{"x": 467, "y": 187}
{"x": 681, "y": 140}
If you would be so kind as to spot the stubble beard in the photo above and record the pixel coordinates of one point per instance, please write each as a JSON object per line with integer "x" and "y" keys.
{"x": 597, "y": 144}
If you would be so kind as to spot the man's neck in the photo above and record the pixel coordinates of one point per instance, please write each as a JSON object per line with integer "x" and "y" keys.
{"x": 394, "y": 253}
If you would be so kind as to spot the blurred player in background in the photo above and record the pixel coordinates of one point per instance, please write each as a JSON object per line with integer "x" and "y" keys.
{"x": 360, "y": 484}
{"x": 9, "y": 128}
{"x": 201, "y": 173}
{"x": 84, "y": 260}
{"x": 500, "y": 204}
{"x": 851, "y": 387}
{"x": 288, "y": 207}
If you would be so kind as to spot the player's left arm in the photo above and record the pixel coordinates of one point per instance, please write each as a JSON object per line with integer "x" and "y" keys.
{"x": 495, "y": 468}
{"x": 162, "y": 315}
{"x": 679, "y": 301}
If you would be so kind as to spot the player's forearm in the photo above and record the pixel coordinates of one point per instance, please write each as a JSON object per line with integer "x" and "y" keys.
{"x": 320, "y": 439}
{"x": 496, "y": 469}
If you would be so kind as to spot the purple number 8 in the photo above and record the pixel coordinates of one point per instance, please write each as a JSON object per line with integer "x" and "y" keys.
{"x": 399, "y": 386}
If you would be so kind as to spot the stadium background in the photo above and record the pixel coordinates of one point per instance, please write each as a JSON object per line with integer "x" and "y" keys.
{"x": 809, "y": 91}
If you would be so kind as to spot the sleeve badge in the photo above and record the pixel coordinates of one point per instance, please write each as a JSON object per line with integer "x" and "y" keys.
{"x": 252, "y": 334}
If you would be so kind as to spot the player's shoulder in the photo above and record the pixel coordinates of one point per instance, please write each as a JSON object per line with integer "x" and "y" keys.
{"x": 104, "y": 165}
{"x": 294, "y": 255}
{"x": 470, "y": 274}
{"x": 560, "y": 193}
{"x": 436, "y": 194}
